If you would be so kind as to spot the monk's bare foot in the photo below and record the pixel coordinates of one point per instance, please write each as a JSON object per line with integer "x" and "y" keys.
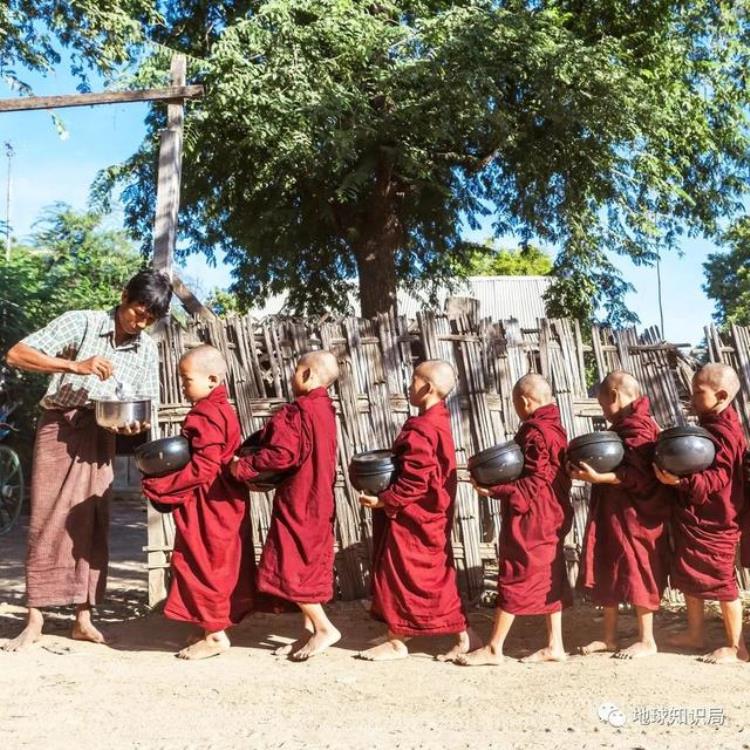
{"x": 317, "y": 644}
{"x": 725, "y": 655}
{"x": 545, "y": 654}
{"x": 467, "y": 641}
{"x": 389, "y": 651}
{"x": 211, "y": 645}
{"x": 85, "y": 631}
{"x": 686, "y": 641}
{"x": 597, "y": 647}
{"x": 24, "y": 640}
{"x": 636, "y": 650}
{"x": 480, "y": 657}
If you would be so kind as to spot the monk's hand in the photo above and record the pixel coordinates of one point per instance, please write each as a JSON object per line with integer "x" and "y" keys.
{"x": 665, "y": 477}
{"x": 483, "y": 491}
{"x": 587, "y": 473}
{"x": 98, "y": 366}
{"x": 370, "y": 501}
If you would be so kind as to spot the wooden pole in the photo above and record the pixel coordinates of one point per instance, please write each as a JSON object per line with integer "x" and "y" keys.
{"x": 171, "y": 94}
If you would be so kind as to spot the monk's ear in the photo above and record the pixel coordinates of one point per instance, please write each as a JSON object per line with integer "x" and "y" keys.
{"x": 722, "y": 395}
{"x": 214, "y": 380}
{"x": 306, "y": 374}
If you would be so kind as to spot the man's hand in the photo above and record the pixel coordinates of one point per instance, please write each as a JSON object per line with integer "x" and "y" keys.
{"x": 370, "y": 501}
{"x": 483, "y": 491}
{"x": 132, "y": 428}
{"x": 585, "y": 473}
{"x": 98, "y": 366}
{"x": 665, "y": 477}
{"x": 234, "y": 466}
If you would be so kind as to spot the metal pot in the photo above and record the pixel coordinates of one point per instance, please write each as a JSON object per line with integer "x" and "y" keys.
{"x": 163, "y": 456}
{"x": 684, "y": 450}
{"x": 117, "y": 415}
{"x": 372, "y": 471}
{"x": 603, "y": 451}
{"x": 497, "y": 465}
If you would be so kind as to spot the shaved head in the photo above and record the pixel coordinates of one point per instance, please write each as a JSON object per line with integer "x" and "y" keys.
{"x": 622, "y": 382}
{"x": 323, "y": 364}
{"x": 534, "y": 387}
{"x": 206, "y": 359}
{"x": 719, "y": 377}
{"x": 439, "y": 374}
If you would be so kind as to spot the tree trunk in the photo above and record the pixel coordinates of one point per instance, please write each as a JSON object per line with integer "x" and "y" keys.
{"x": 376, "y": 266}
{"x": 381, "y": 235}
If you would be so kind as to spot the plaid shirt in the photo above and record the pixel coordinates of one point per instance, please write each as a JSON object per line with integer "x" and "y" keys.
{"x": 81, "y": 334}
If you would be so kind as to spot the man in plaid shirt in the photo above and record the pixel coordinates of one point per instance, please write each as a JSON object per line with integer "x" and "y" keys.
{"x": 67, "y": 555}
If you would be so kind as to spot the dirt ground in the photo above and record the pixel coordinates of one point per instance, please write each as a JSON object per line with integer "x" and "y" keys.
{"x": 135, "y": 694}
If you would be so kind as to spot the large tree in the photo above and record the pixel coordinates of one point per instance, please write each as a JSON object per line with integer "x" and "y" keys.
{"x": 343, "y": 139}
{"x": 728, "y": 276}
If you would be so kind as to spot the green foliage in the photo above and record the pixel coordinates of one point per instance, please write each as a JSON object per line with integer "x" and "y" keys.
{"x": 728, "y": 276}
{"x": 343, "y": 138}
{"x": 99, "y": 34}
{"x": 494, "y": 261}
{"x": 223, "y": 303}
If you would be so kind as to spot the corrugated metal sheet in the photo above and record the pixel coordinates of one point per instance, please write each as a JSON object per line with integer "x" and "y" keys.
{"x": 500, "y": 297}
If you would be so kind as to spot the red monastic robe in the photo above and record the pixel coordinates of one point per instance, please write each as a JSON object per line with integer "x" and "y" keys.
{"x": 297, "y": 560}
{"x": 626, "y": 548}
{"x": 536, "y": 515}
{"x": 212, "y": 563}
{"x": 707, "y": 516}
{"x": 414, "y": 587}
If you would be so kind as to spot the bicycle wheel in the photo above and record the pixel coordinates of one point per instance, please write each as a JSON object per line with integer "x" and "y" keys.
{"x": 11, "y": 488}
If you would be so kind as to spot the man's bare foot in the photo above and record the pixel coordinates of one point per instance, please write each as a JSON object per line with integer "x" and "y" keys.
{"x": 24, "y": 640}
{"x": 85, "y": 631}
{"x": 597, "y": 647}
{"x": 211, "y": 645}
{"x": 636, "y": 650}
{"x": 467, "y": 641}
{"x": 29, "y": 635}
{"x": 480, "y": 657}
{"x": 317, "y": 644}
{"x": 391, "y": 650}
{"x": 725, "y": 655}
{"x": 545, "y": 654}
{"x": 686, "y": 641}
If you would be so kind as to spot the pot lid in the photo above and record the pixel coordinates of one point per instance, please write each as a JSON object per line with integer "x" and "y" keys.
{"x": 373, "y": 462}
{"x": 690, "y": 430}
{"x": 594, "y": 438}
{"x": 494, "y": 452}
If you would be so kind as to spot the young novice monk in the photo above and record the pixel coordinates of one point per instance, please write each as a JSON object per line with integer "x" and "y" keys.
{"x": 625, "y": 549}
{"x": 297, "y": 560}
{"x": 212, "y": 562}
{"x": 414, "y": 588}
{"x": 706, "y": 519}
{"x": 536, "y": 514}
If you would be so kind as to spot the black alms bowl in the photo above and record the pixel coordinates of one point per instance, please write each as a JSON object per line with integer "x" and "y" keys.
{"x": 684, "y": 450}
{"x": 266, "y": 481}
{"x": 372, "y": 471}
{"x": 162, "y": 456}
{"x": 497, "y": 465}
{"x": 603, "y": 451}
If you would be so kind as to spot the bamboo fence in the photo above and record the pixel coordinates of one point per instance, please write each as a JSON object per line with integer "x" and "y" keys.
{"x": 376, "y": 358}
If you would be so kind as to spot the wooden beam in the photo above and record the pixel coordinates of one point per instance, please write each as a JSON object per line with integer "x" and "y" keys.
{"x": 191, "y": 303}
{"x": 171, "y": 94}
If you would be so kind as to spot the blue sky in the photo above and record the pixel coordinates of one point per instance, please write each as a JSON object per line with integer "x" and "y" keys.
{"x": 48, "y": 168}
